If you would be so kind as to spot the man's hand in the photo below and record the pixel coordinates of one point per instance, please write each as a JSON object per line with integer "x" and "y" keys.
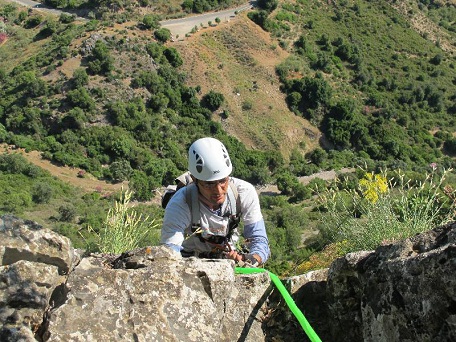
{"x": 234, "y": 256}
{"x": 251, "y": 259}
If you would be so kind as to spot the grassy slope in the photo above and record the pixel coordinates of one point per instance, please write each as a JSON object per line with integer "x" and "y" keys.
{"x": 20, "y": 46}
{"x": 238, "y": 59}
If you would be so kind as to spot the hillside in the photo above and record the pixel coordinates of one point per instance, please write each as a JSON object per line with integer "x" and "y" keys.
{"x": 293, "y": 89}
{"x": 238, "y": 59}
{"x": 254, "y": 67}
{"x": 70, "y": 175}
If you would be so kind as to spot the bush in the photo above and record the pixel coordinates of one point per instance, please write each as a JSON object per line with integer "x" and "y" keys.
{"x": 101, "y": 62}
{"x": 162, "y": 35}
{"x": 212, "y": 100}
{"x": 120, "y": 170}
{"x": 13, "y": 163}
{"x": 173, "y": 57}
{"x": 151, "y": 21}
{"x": 123, "y": 229}
{"x": 381, "y": 211}
{"x": 66, "y": 18}
{"x": 15, "y": 202}
{"x": 67, "y": 212}
{"x": 41, "y": 192}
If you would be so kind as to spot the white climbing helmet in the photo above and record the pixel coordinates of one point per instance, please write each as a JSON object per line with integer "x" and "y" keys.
{"x": 208, "y": 160}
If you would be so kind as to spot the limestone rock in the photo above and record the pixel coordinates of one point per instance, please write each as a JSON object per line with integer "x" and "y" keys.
{"x": 405, "y": 291}
{"x": 26, "y": 240}
{"x": 163, "y": 300}
{"x": 34, "y": 264}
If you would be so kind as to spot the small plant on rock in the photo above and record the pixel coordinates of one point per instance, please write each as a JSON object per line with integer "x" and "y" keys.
{"x": 123, "y": 229}
{"x": 383, "y": 210}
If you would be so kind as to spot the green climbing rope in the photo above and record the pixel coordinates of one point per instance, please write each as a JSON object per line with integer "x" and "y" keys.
{"x": 290, "y": 302}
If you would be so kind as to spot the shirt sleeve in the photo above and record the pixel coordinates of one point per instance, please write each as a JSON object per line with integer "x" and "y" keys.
{"x": 176, "y": 219}
{"x": 258, "y": 240}
{"x": 250, "y": 203}
{"x": 254, "y": 227}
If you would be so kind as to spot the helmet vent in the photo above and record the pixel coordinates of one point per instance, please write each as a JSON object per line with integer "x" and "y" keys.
{"x": 199, "y": 162}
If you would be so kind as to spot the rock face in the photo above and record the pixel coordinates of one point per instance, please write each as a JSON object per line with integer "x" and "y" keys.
{"x": 150, "y": 294}
{"x": 50, "y": 292}
{"x": 401, "y": 292}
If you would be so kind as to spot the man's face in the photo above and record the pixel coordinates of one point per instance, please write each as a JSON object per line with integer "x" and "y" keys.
{"x": 214, "y": 192}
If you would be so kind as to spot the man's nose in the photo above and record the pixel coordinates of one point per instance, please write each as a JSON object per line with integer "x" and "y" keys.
{"x": 219, "y": 187}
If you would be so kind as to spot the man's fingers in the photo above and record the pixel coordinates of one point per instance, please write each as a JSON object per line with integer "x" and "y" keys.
{"x": 234, "y": 255}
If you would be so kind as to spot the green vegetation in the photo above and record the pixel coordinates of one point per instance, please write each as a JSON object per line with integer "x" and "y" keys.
{"x": 148, "y": 138}
{"x": 32, "y": 193}
{"x": 382, "y": 94}
{"x": 384, "y": 209}
{"x": 382, "y": 91}
{"x": 124, "y": 230}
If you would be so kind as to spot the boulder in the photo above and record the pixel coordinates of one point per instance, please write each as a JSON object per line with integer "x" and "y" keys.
{"x": 153, "y": 294}
{"x": 404, "y": 291}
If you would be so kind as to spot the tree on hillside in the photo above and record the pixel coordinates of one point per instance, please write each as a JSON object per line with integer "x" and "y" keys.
{"x": 100, "y": 61}
{"x": 268, "y": 5}
{"x": 308, "y": 93}
{"x": 120, "y": 170}
{"x": 81, "y": 98}
{"x": 49, "y": 28}
{"x": 41, "y": 192}
{"x": 154, "y": 50}
{"x": 162, "y": 35}
{"x": 212, "y": 100}
{"x": 151, "y": 21}
{"x": 80, "y": 78}
{"x": 173, "y": 57}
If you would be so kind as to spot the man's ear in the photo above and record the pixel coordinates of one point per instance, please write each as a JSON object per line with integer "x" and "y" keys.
{"x": 193, "y": 179}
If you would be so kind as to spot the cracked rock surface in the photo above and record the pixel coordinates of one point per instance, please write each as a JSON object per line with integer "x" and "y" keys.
{"x": 49, "y": 291}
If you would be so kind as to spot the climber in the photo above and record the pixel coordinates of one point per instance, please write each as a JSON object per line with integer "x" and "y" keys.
{"x": 201, "y": 218}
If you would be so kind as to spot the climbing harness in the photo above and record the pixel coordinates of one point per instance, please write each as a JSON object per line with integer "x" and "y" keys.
{"x": 234, "y": 215}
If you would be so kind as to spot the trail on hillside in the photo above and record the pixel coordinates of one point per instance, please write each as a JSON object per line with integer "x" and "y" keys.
{"x": 271, "y": 189}
{"x": 88, "y": 183}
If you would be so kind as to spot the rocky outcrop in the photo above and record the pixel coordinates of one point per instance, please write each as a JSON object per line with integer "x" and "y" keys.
{"x": 400, "y": 292}
{"x": 51, "y": 292}
{"x": 404, "y": 291}
{"x": 150, "y": 294}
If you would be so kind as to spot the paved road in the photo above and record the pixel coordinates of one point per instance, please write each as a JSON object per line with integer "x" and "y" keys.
{"x": 180, "y": 27}
{"x": 40, "y": 7}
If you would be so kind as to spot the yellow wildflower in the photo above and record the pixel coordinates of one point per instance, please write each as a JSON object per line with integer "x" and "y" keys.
{"x": 373, "y": 186}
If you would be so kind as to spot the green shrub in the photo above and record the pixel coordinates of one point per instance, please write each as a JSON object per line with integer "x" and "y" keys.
{"x": 67, "y": 212}
{"x": 212, "y": 100}
{"x": 123, "y": 229}
{"x": 383, "y": 210}
{"x": 42, "y": 192}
